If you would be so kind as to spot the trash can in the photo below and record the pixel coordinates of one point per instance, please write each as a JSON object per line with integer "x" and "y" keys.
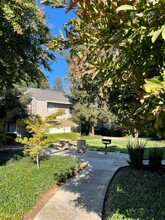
{"x": 81, "y": 146}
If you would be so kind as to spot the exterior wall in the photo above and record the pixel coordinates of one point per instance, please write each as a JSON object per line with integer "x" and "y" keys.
{"x": 60, "y": 130}
{"x": 41, "y": 108}
{"x": 65, "y": 108}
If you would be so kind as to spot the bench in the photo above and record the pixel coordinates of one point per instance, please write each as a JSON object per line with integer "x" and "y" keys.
{"x": 57, "y": 146}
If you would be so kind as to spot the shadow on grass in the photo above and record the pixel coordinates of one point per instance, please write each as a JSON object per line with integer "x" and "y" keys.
{"x": 10, "y": 154}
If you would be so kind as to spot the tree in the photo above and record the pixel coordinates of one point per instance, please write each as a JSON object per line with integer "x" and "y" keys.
{"x": 23, "y": 39}
{"x": 41, "y": 83}
{"x": 13, "y": 106}
{"x": 124, "y": 43}
{"x": 38, "y": 128}
{"x": 90, "y": 100}
{"x": 57, "y": 85}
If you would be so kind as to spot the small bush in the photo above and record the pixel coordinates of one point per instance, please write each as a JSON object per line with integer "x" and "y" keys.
{"x": 155, "y": 158}
{"x": 136, "y": 152}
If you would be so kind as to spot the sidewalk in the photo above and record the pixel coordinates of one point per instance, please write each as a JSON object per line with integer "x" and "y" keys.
{"x": 82, "y": 197}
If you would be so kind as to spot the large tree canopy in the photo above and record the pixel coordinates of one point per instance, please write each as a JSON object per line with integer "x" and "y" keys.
{"x": 90, "y": 101}
{"x": 124, "y": 46}
{"x": 23, "y": 34}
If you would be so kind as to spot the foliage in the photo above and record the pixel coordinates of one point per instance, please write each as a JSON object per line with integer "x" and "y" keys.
{"x": 90, "y": 114}
{"x": 140, "y": 196}
{"x": 57, "y": 85}
{"x": 136, "y": 152}
{"x": 56, "y": 137}
{"x": 22, "y": 185}
{"x": 23, "y": 34}
{"x": 123, "y": 45}
{"x": 86, "y": 114}
{"x": 13, "y": 106}
{"x": 37, "y": 127}
{"x": 155, "y": 158}
{"x": 90, "y": 105}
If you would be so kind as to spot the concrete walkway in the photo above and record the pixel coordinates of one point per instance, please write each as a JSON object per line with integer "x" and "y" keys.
{"x": 82, "y": 197}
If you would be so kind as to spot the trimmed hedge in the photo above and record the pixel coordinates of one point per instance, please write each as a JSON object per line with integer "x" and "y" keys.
{"x": 55, "y": 137}
{"x": 134, "y": 195}
{"x": 22, "y": 184}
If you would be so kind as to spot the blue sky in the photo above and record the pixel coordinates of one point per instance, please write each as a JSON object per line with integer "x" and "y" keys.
{"x": 55, "y": 20}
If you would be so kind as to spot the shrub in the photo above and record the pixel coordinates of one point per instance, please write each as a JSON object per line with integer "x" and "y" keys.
{"x": 155, "y": 158}
{"x": 136, "y": 152}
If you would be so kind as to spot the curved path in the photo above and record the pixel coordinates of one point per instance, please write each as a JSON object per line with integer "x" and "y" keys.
{"x": 82, "y": 197}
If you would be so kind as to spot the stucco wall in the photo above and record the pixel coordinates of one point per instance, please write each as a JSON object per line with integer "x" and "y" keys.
{"x": 40, "y": 107}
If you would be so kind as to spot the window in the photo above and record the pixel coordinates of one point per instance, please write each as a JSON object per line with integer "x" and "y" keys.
{"x": 51, "y": 107}
{"x": 11, "y": 128}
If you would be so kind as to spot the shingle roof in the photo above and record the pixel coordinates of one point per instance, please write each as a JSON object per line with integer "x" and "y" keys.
{"x": 49, "y": 96}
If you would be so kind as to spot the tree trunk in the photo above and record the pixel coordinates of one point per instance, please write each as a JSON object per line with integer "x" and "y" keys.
{"x": 37, "y": 160}
{"x": 80, "y": 128}
{"x": 136, "y": 133}
{"x": 91, "y": 130}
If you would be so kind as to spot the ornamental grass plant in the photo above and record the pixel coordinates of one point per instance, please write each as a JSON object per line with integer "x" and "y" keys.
{"x": 136, "y": 152}
{"x": 155, "y": 158}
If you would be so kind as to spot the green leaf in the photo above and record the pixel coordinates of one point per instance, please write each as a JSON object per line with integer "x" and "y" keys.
{"x": 46, "y": 2}
{"x": 125, "y": 7}
{"x": 61, "y": 35}
{"x": 156, "y": 35}
{"x": 163, "y": 32}
{"x": 154, "y": 81}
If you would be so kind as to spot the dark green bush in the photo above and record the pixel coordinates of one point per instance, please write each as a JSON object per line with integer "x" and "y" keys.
{"x": 155, "y": 158}
{"x": 21, "y": 183}
{"x": 136, "y": 152}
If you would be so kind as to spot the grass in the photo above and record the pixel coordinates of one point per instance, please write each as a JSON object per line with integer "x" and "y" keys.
{"x": 21, "y": 184}
{"x": 134, "y": 195}
{"x": 91, "y": 137}
{"x": 120, "y": 145}
{"x": 56, "y": 137}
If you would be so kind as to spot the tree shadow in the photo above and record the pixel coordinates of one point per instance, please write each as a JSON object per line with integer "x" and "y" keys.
{"x": 86, "y": 191}
{"x": 10, "y": 154}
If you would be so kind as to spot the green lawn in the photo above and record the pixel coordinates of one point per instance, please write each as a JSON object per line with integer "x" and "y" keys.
{"x": 56, "y": 137}
{"x": 134, "y": 195}
{"x": 120, "y": 145}
{"x": 21, "y": 184}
